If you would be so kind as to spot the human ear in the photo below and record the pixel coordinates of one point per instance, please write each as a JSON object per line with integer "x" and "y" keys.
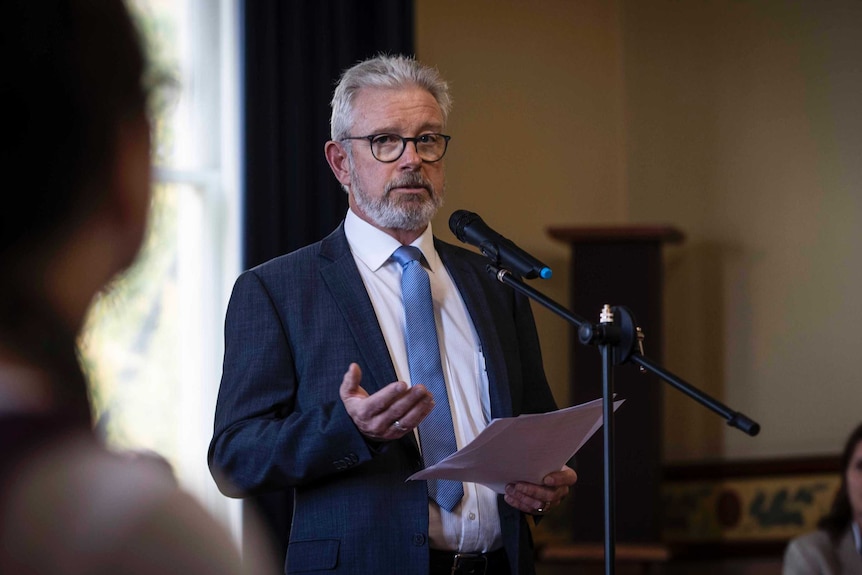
{"x": 339, "y": 163}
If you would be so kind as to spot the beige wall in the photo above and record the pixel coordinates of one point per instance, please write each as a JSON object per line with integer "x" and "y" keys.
{"x": 744, "y": 127}
{"x": 737, "y": 122}
{"x": 535, "y": 126}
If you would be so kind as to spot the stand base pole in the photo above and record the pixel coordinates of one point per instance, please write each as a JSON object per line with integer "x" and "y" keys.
{"x": 608, "y": 427}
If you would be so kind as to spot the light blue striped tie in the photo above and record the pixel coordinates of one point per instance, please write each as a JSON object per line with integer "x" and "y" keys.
{"x": 436, "y": 433}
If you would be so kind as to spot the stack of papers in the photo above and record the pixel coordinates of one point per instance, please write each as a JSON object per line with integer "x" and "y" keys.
{"x": 523, "y": 448}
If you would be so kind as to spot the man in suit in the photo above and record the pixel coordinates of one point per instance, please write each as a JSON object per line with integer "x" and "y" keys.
{"x": 316, "y": 393}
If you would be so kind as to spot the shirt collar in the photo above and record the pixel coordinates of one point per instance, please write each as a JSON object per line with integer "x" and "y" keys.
{"x": 374, "y": 247}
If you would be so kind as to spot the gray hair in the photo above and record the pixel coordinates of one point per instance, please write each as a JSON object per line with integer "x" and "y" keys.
{"x": 383, "y": 71}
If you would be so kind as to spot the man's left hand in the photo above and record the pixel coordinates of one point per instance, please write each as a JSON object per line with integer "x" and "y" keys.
{"x": 538, "y": 499}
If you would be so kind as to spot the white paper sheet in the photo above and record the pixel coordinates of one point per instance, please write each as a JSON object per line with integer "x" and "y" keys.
{"x": 523, "y": 448}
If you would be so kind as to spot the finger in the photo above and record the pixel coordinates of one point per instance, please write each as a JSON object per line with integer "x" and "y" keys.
{"x": 532, "y": 498}
{"x": 406, "y": 421}
{"x": 400, "y": 428}
{"x": 531, "y": 490}
{"x": 373, "y": 414}
{"x": 529, "y": 497}
{"x": 406, "y": 413}
{"x": 359, "y": 405}
{"x": 527, "y": 504}
{"x": 564, "y": 477}
{"x": 411, "y": 408}
{"x": 350, "y": 382}
{"x": 379, "y": 402}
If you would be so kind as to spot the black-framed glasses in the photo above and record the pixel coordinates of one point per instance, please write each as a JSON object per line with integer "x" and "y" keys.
{"x": 387, "y": 148}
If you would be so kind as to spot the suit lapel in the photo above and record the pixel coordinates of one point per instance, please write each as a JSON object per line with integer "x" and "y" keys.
{"x": 339, "y": 272}
{"x": 476, "y": 301}
{"x": 343, "y": 280}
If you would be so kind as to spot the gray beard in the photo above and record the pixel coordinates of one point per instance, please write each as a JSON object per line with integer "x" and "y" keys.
{"x": 402, "y": 212}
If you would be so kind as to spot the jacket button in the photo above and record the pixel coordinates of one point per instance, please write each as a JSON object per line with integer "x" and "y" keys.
{"x": 419, "y": 539}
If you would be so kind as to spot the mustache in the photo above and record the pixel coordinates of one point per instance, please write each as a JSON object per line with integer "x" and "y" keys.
{"x": 410, "y": 180}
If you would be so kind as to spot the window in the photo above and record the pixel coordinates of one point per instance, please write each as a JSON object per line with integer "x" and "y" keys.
{"x": 152, "y": 347}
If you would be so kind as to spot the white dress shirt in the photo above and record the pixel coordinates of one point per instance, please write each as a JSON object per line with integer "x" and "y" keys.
{"x": 474, "y": 525}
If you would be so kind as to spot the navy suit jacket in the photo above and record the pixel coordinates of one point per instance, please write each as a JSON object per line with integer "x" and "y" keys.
{"x": 293, "y": 326}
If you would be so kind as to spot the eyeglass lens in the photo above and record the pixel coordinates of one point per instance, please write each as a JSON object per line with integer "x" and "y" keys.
{"x": 389, "y": 147}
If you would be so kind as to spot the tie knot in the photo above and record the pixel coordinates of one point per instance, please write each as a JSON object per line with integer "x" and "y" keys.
{"x": 406, "y": 254}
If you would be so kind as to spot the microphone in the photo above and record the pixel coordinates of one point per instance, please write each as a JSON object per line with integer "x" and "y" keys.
{"x": 470, "y": 229}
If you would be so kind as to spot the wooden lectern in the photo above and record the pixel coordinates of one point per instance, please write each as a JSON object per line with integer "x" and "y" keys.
{"x": 619, "y": 265}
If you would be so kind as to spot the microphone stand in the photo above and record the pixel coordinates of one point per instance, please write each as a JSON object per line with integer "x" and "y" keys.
{"x": 619, "y": 340}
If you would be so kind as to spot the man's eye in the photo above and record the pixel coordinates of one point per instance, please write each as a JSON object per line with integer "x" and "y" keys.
{"x": 384, "y": 139}
{"x": 428, "y": 138}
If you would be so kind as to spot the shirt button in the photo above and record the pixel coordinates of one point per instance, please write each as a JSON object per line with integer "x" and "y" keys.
{"x": 472, "y": 516}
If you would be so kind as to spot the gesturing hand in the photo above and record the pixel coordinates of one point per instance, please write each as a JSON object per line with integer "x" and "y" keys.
{"x": 387, "y": 414}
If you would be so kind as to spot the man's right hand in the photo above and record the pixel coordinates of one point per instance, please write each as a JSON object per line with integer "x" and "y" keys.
{"x": 389, "y": 413}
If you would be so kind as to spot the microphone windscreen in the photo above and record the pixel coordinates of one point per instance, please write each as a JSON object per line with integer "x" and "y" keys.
{"x": 459, "y": 220}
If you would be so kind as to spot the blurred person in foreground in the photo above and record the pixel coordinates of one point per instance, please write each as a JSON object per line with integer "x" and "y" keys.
{"x": 320, "y": 392}
{"x": 74, "y": 157}
{"x": 835, "y": 548}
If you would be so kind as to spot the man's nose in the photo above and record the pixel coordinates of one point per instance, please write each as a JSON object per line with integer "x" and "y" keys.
{"x": 410, "y": 156}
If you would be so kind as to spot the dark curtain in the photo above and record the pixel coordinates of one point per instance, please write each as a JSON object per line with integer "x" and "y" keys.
{"x": 295, "y": 50}
{"x": 294, "y": 53}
